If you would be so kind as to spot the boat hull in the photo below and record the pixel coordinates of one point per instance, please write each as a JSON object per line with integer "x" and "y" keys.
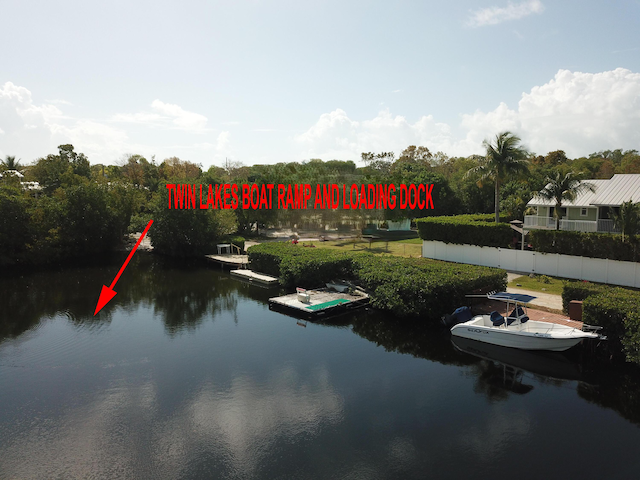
{"x": 531, "y": 336}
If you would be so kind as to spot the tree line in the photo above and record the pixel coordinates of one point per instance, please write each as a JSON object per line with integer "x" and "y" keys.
{"x": 82, "y": 208}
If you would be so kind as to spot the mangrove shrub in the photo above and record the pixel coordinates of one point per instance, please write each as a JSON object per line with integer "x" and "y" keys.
{"x": 187, "y": 232}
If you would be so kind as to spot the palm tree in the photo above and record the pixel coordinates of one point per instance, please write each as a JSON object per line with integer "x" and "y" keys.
{"x": 10, "y": 163}
{"x": 628, "y": 218}
{"x": 505, "y": 157}
{"x": 564, "y": 189}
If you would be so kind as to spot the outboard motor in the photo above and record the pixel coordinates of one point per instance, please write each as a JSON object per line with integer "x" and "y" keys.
{"x": 460, "y": 315}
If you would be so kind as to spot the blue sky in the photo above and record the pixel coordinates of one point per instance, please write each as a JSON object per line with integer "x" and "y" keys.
{"x": 270, "y": 81}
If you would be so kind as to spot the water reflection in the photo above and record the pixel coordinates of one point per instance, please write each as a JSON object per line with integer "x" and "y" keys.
{"x": 497, "y": 371}
{"x": 188, "y": 374}
{"x": 546, "y": 364}
{"x": 182, "y": 296}
{"x": 418, "y": 338}
{"x": 247, "y": 421}
{"x": 502, "y": 370}
{"x": 123, "y": 432}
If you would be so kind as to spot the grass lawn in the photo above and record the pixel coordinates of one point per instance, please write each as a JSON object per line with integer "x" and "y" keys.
{"x": 400, "y": 248}
{"x": 416, "y": 241}
{"x": 537, "y": 284}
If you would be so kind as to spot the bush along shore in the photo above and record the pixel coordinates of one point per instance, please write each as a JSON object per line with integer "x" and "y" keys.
{"x": 408, "y": 287}
{"x": 615, "y": 309}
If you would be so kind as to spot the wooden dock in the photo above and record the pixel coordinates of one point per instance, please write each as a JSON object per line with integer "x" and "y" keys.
{"x": 322, "y": 303}
{"x": 230, "y": 260}
{"x": 253, "y": 277}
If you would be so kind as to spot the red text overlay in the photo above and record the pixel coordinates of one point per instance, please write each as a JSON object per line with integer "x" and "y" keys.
{"x": 300, "y": 196}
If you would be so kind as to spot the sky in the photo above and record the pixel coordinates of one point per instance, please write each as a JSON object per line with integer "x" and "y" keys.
{"x": 275, "y": 81}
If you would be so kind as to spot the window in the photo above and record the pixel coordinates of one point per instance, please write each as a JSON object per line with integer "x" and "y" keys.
{"x": 583, "y": 212}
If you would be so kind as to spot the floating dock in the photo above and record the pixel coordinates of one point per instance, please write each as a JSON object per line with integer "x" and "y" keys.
{"x": 230, "y": 260}
{"x": 253, "y": 277}
{"x": 322, "y": 303}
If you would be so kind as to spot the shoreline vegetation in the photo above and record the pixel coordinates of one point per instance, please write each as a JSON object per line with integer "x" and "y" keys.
{"x": 407, "y": 287}
{"x": 61, "y": 206}
{"x": 63, "y": 209}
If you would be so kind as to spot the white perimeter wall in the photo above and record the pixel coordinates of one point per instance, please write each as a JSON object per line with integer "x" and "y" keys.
{"x": 554, "y": 264}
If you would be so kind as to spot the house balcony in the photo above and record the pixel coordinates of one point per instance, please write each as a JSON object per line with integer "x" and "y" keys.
{"x": 535, "y": 221}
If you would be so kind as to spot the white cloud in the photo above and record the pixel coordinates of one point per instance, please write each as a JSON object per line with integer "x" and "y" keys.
{"x": 30, "y": 130}
{"x": 181, "y": 118}
{"x": 341, "y": 137}
{"x": 167, "y": 115}
{"x": 147, "y": 118}
{"x": 335, "y": 135}
{"x": 33, "y": 130}
{"x": 26, "y": 126}
{"x": 59, "y": 101}
{"x": 495, "y": 15}
{"x": 222, "y": 144}
{"x": 576, "y": 112}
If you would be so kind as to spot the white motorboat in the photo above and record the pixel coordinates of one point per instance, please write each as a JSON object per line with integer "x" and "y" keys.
{"x": 517, "y": 331}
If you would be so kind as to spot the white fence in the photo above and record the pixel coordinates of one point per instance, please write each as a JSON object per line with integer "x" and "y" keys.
{"x": 549, "y": 223}
{"x": 580, "y": 268}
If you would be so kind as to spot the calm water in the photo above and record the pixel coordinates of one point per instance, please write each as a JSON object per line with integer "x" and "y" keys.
{"x": 188, "y": 374}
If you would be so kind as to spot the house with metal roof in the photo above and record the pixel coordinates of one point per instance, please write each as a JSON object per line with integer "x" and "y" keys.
{"x": 590, "y": 211}
{"x": 32, "y": 186}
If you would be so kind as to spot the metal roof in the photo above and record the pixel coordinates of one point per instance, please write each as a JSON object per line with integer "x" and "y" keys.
{"x": 12, "y": 172}
{"x": 621, "y": 188}
{"x": 584, "y": 199}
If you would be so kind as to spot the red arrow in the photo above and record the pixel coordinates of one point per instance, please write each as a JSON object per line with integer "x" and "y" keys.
{"x": 108, "y": 293}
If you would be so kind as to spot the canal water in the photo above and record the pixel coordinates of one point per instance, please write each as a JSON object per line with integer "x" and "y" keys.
{"x": 188, "y": 374}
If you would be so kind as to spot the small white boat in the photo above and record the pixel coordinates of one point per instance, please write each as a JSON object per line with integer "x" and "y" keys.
{"x": 517, "y": 331}
{"x": 338, "y": 286}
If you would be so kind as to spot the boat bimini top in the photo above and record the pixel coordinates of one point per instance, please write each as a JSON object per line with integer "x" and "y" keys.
{"x": 510, "y": 297}
{"x": 519, "y": 299}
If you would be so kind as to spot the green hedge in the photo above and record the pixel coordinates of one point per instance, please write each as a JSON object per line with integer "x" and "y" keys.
{"x": 266, "y": 257}
{"x": 404, "y": 286}
{"x": 615, "y": 309}
{"x": 579, "y": 290}
{"x": 299, "y": 266}
{"x": 421, "y": 287}
{"x": 595, "y": 245}
{"x": 466, "y": 229}
{"x": 618, "y": 314}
